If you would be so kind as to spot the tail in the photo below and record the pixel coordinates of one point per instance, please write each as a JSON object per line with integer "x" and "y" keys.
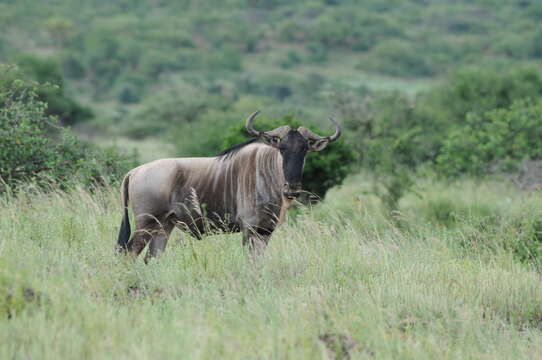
{"x": 124, "y": 233}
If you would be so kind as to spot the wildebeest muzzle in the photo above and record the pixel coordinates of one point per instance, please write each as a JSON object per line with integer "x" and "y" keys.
{"x": 292, "y": 191}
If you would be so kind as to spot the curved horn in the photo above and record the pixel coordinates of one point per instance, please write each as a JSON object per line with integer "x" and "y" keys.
{"x": 337, "y": 133}
{"x": 330, "y": 138}
{"x": 251, "y": 131}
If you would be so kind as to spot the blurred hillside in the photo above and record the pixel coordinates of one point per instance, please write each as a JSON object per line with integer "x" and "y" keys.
{"x": 145, "y": 67}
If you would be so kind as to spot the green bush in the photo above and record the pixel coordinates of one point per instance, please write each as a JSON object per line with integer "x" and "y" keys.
{"x": 513, "y": 45}
{"x": 34, "y": 148}
{"x": 398, "y": 58}
{"x": 171, "y": 109}
{"x": 318, "y": 53}
{"x": 497, "y": 139}
{"x": 133, "y": 89}
{"x": 385, "y": 129}
{"x": 480, "y": 90}
{"x": 441, "y": 123}
{"x": 225, "y": 58}
{"x": 47, "y": 72}
{"x": 275, "y": 85}
{"x": 202, "y": 137}
{"x": 536, "y": 43}
{"x": 292, "y": 59}
{"x": 347, "y": 27}
{"x": 467, "y": 95}
{"x": 322, "y": 171}
{"x": 534, "y": 9}
{"x": 464, "y": 126}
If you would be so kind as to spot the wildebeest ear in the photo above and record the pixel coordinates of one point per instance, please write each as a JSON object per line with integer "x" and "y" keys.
{"x": 270, "y": 139}
{"x": 318, "y": 144}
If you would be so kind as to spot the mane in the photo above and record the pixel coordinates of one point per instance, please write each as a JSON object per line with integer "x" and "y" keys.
{"x": 235, "y": 148}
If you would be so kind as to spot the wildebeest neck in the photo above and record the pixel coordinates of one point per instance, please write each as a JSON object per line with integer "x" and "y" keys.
{"x": 254, "y": 172}
{"x": 226, "y": 189}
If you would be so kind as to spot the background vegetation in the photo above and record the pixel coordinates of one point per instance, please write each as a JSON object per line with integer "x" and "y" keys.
{"x": 170, "y": 76}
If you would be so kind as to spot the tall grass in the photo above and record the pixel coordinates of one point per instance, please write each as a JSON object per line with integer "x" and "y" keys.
{"x": 341, "y": 280}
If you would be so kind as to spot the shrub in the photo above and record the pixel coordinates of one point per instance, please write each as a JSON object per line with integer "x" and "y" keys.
{"x": 47, "y": 72}
{"x": 398, "y": 58}
{"x": 440, "y": 123}
{"x": 276, "y": 85}
{"x": 172, "y": 109}
{"x": 498, "y": 139}
{"x": 129, "y": 95}
{"x": 292, "y": 59}
{"x": 346, "y": 27}
{"x": 451, "y": 109}
{"x": 465, "y": 125}
{"x": 388, "y": 139}
{"x": 73, "y": 66}
{"x": 536, "y": 43}
{"x": 225, "y": 58}
{"x": 391, "y": 184}
{"x": 318, "y": 52}
{"x": 479, "y": 90}
{"x": 384, "y": 128}
{"x": 202, "y": 137}
{"x": 33, "y": 147}
{"x": 513, "y": 45}
{"x": 534, "y": 9}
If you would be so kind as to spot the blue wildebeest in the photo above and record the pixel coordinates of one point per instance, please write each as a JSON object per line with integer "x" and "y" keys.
{"x": 246, "y": 188}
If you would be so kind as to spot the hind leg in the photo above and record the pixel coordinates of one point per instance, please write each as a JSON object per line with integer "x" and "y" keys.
{"x": 158, "y": 241}
{"x": 139, "y": 240}
{"x": 147, "y": 227}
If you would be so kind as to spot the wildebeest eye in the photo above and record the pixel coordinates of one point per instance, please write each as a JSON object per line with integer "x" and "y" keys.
{"x": 275, "y": 139}
{"x": 311, "y": 142}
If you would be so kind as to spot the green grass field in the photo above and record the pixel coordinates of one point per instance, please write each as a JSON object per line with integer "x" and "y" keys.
{"x": 442, "y": 279}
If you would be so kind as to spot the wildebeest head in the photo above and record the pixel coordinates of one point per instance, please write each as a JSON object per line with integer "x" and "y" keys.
{"x": 293, "y": 144}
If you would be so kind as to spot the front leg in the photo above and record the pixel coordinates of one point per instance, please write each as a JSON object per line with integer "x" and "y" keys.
{"x": 158, "y": 241}
{"x": 256, "y": 240}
